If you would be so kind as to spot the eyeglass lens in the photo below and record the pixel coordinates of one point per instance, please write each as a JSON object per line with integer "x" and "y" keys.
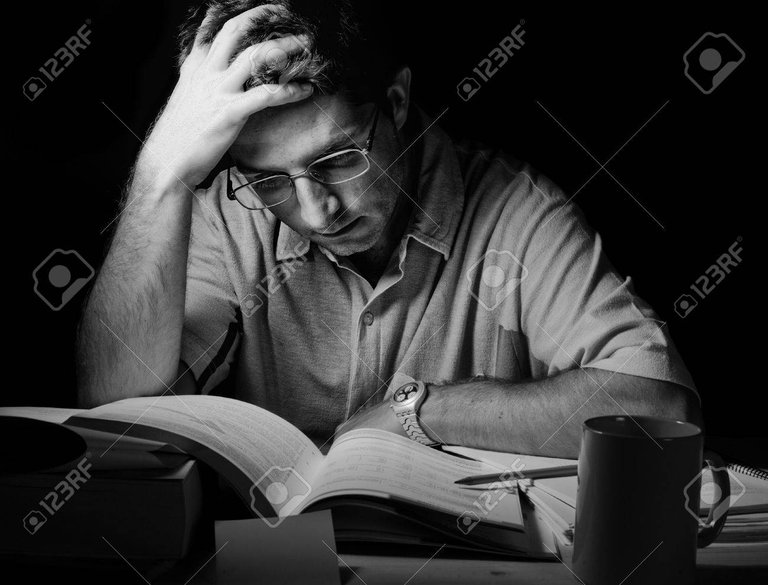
{"x": 338, "y": 168}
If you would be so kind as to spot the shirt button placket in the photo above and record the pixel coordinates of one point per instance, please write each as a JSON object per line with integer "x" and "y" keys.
{"x": 368, "y": 352}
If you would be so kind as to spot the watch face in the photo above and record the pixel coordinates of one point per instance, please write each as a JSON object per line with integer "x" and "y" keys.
{"x": 406, "y": 392}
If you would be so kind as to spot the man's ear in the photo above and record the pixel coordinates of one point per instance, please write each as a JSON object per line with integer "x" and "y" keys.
{"x": 398, "y": 95}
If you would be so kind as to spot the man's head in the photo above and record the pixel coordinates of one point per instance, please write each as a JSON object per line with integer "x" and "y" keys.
{"x": 352, "y": 63}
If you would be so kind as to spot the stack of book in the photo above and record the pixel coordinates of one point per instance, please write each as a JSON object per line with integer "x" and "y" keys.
{"x": 120, "y": 496}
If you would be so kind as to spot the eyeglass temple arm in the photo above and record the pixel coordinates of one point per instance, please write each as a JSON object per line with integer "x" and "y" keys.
{"x": 369, "y": 142}
{"x": 230, "y": 190}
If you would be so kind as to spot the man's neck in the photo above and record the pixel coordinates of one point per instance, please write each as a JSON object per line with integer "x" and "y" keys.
{"x": 372, "y": 263}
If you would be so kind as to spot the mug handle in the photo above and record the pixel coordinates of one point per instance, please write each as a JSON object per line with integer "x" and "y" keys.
{"x": 718, "y": 512}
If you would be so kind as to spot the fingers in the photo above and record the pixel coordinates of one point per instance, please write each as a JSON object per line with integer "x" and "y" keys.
{"x": 198, "y": 51}
{"x": 269, "y": 96}
{"x": 272, "y": 55}
{"x": 201, "y": 29}
{"x": 231, "y": 34}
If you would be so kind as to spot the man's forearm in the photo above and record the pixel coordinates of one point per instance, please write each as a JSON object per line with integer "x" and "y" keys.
{"x": 544, "y": 417}
{"x": 130, "y": 334}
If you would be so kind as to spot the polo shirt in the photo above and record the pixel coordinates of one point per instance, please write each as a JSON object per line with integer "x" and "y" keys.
{"x": 497, "y": 273}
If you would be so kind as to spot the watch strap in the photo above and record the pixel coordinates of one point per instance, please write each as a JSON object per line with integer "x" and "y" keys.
{"x": 412, "y": 426}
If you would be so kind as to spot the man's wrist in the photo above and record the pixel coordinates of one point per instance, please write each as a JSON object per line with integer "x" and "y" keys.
{"x": 156, "y": 184}
{"x": 429, "y": 413}
{"x": 445, "y": 413}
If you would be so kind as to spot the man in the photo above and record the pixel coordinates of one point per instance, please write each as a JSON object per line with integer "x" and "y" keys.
{"x": 353, "y": 266}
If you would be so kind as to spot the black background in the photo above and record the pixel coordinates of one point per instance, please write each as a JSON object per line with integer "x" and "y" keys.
{"x": 693, "y": 167}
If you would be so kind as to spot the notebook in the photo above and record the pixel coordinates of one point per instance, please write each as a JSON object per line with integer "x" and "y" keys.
{"x": 749, "y": 490}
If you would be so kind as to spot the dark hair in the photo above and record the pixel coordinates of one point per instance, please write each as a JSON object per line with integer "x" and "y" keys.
{"x": 351, "y": 48}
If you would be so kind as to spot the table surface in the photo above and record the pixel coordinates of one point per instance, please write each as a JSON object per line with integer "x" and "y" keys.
{"x": 719, "y": 563}
{"x": 714, "y": 565}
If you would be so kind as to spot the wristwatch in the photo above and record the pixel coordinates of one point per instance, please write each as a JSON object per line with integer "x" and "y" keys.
{"x": 405, "y": 403}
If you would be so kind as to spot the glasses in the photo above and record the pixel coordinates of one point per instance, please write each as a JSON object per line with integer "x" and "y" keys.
{"x": 332, "y": 169}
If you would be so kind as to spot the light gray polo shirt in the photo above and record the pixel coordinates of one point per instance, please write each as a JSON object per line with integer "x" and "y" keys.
{"x": 496, "y": 274}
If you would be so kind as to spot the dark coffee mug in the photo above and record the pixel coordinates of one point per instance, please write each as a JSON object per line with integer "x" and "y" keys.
{"x": 637, "y": 505}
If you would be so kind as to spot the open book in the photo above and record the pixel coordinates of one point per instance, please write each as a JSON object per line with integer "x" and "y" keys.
{"x": 380, "y": 486}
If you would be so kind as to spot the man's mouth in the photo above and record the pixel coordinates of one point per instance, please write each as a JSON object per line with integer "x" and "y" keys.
{"x": 344, "y": 230}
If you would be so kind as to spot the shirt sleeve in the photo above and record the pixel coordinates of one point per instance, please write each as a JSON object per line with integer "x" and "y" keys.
{"x": 211, "y": 331}
{"x": 576, "y": 309}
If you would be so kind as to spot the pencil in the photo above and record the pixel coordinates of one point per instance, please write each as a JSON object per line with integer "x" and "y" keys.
{"x": 543, "y": 473}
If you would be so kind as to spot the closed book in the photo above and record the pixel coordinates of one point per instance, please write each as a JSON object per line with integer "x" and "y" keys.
{"x": 148, "y": 514}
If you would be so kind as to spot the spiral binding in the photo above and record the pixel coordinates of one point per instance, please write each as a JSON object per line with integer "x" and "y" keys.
{"x": 747, "y": 470}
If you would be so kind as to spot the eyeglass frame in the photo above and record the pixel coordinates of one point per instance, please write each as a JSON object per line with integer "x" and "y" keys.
{"x": 364, "y": 151}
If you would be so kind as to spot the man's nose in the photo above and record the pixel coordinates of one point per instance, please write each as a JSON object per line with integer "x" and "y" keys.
{"x": 318, "y": 204}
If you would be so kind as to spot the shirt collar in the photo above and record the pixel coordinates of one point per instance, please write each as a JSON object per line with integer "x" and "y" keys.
{"x": 439, "y": 200}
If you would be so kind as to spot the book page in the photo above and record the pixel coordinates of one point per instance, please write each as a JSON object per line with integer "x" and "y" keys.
{"x": 563, "y": 488}
{"x": 246, "y": 444}
{"x": 510, "y": 460}
{"x": 379, "y": 463}
{"x": 45, "y": 413}
{"x": 560, "y": 513}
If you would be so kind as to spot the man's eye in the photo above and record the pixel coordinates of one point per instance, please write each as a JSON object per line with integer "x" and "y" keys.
{"x": 270, "y": 183}
{"x": 344, "y": 159}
